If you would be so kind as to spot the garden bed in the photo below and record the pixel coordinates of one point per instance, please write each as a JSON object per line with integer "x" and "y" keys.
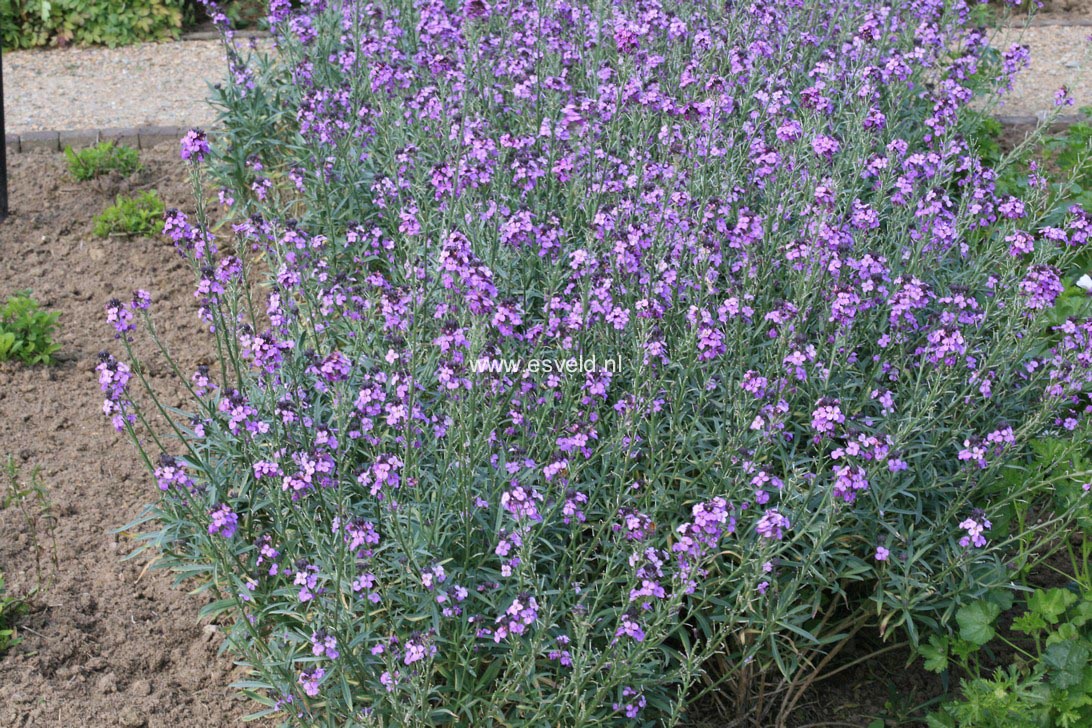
{"x": 325, "y": 490}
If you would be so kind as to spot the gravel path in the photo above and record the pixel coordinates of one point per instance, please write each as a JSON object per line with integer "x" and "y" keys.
{"x": 165, "y": 84}
{"x": 148, "y": 84}
{"x": 1059, "y": 56}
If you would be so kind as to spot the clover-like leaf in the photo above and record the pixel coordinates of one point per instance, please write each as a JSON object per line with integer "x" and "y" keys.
{"x": 1050, "y": 604}
{"x": 976, "y": 621}
{"x": 935, "y": 653}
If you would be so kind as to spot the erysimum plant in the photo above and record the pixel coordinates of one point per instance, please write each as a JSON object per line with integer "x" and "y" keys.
{"x": 575, "y": 359}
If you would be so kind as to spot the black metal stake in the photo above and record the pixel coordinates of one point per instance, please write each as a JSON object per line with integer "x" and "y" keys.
{"x": 3, "y": 147}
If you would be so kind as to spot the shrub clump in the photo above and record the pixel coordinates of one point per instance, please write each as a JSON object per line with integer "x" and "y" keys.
{"x": 26, "y": 331}
{"x": 32, "y": 23}
{"x": 141, "y": 214}
{"x": 811, "y": 344}
{"x": 29, "y": 23}
{"x": 103, "y": 158}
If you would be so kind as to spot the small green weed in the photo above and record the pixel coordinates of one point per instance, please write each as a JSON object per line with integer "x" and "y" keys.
{"x": 26, "y": 331}
{"x": 100, "y": 159}
{"x": 11, "y": 609}
{"x": 139, "y": 215}
{"x": 31, "y": 498}
{"x": 1049, "y": 682}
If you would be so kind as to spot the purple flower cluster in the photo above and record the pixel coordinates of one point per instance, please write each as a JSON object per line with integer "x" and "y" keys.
{"x": 114, "y": 381}
{"x": 975, "y": 526}
{"x": 772, "y": 525}
{"x": 195, "y": 146}
{"x": 171, "y": 474}
{"x": 223, "y": 521}
{"x": 633, "y": 703}
{"x": 520, "y": 614}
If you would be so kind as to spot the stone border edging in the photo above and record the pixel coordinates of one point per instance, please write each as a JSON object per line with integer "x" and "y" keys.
{"x": 142, "y": 137}
{"x": 215, "y": 35}
{"x": 1041, "y": 118}
{"x": 1057, "y": 22}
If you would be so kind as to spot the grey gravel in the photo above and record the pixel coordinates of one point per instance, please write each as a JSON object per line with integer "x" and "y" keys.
{"x": 149, "y": 84}
{"x": 1059, "y": 56}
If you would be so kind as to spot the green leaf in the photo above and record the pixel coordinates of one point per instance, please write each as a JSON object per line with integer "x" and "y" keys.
{"x": 1083, "y": 613}
{"x": 1050, "y": 604}
{"x": 935, "y": 653}
{"x": 976, "y": 621}
{"x": 939, "y": 720}
{"x": 1067, "y": 661}
{"x": 1029, "y": 623}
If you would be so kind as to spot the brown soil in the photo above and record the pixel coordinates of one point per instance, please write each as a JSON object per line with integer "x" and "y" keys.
{"x": 107, "y": 643}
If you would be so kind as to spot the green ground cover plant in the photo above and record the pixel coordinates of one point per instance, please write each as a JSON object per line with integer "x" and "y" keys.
{"x": 26, "y": 331}
{"x": 103, "y": 158}
{"x": 140, "y": 214}
{"x": 565, "y": 377}
{"x": 1049, "y": 680}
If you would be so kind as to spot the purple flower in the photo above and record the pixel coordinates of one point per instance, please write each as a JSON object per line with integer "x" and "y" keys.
{"x": 630, "y": 628}
{"x": 633, "y": 703}
{"x": 772, "y": 525}
{"x": 827, "y": 416}
{"x": 142, "y": 300}
{"x": 433, "y": 577}
{"x": 521, "y": 502}
{"x": 310, "y": 681}
{"x": 848, "y": 481}
{"x": 711, "y": 520}
{"x": 224, "y": 521}
{"x": 335, "y": 367}
{"x": 307, "y": 578}
{"x": 195, "y": 146}
{"x": 170, "y": 473}
{"x": 975, "y": 526}
{"x": 1041, "y": 287}
{"x": 1062, "y": 97}
{"x": 119, "y": 315}
{"x": 114, "y": 381}
{"x": 825, "y": 146}
{"x": 323, "y": 643}
{"x": 521, "y": 614}
{"x": 635, "y": 525}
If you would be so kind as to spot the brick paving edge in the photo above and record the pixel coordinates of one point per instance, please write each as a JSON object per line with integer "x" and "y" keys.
{"x": 141, "y": 137}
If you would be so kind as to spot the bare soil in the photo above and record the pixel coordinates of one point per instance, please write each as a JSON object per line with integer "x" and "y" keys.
{"x": 108, "y": 642}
